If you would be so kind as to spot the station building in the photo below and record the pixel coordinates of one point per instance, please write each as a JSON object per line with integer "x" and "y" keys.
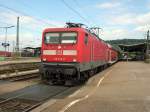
{"x": 134, "y": 51}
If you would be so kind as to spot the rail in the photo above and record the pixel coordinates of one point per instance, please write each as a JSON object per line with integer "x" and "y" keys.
{"x": 23, "y": 105}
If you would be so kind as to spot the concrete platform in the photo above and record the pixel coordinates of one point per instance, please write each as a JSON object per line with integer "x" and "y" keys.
{"x": 6, "y": 76}
{"x": 124, "y": 87}
{"x": 21, "y": 60}
{"x": 20, "y": 65}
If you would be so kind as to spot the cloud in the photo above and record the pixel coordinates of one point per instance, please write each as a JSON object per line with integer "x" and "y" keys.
{"x": 138, "y": 23}
{"x": 118, "y": 33}
{"x": 30, "y": 28}
{"x": 122, "y": 19}
{"x": 108, "y": 5}
{"x": 142, "y": 28}
{"x": 28, "y": 21}
{"x": 143, "y": 19}
{"x": 112, "y": 34}
{"x": 11, "y": 17}
{"x": 132, "y": 19}
{"x": 26, "y": 39}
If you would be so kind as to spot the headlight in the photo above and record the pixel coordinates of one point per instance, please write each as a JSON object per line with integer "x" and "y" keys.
{"x": 44, "y": 59}
{"x": 74, "y": 60}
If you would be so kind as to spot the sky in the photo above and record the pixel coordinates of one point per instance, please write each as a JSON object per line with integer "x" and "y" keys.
{"x": 119, "y": 19}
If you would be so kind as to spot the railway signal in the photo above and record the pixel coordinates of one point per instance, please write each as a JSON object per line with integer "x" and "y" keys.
{"x": 5, "y": 44}
{"x": 17, "y": 37}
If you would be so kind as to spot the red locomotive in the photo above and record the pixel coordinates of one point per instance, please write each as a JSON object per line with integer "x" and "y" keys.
{"x": 73, "y": 53}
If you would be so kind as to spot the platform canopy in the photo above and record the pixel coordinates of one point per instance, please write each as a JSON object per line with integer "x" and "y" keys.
{"x": 140, "y": 47}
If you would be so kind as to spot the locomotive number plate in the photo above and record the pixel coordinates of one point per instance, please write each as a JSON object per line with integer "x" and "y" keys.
{"x": 59, "y": 52}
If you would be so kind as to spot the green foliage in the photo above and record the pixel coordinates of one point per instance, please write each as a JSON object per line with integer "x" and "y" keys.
{"x": 2, "y": 58}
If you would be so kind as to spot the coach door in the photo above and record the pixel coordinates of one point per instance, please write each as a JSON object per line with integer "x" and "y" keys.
{"x": 110, "y": 57}
{"x": 92, "y": 51}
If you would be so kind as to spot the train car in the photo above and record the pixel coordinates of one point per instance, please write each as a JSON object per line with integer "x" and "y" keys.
{"x": 5, "y": 54}
{"x": 112, "y": 54}
{"x": 71, "y": 54}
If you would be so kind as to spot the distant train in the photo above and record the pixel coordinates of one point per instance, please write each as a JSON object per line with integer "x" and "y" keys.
{"x": 5, "y": 53}
{"x": 72, "y": 54}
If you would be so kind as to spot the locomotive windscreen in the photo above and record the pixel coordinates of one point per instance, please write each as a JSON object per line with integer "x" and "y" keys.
{"x": 60, "y": 38}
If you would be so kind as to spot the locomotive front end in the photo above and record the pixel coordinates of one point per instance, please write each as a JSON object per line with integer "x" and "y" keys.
{"x": 59, "y": 55}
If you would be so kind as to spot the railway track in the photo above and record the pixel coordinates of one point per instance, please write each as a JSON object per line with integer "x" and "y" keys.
{"x": 17, "y": 105}
{"x": 20, "y": 104}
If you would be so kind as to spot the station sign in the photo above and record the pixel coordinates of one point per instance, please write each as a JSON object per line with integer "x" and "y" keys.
{"x": 5, "y": 44}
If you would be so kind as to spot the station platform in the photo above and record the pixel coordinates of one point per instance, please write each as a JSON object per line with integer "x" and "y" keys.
{"x": 124, "y": 87}
{"x": 10, "y": 68}
{"x": 20, "y": 60}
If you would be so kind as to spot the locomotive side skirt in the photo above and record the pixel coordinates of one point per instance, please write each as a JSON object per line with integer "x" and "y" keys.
{"x": 64, "y": 71}
{"x": 91, "y": 65}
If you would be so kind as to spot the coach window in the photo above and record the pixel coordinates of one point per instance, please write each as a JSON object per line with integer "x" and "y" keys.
{"x": 86, "y": 39}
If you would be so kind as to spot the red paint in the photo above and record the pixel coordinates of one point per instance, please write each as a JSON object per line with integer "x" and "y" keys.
{"x": 94, "y": 50}
{"x": 7, "y": 54}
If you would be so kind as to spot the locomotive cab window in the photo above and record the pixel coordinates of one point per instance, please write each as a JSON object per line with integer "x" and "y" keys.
{"x": 86, "y": 39}
{"x": 52, "y": 38}
{"x": 60, "y": 38}
{"x": 68, "y": 37}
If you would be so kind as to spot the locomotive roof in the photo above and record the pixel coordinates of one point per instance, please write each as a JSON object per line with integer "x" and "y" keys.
{"x": 110, "y": 46}
{"x": 72, "y": 29}
{"x": 63, "y": 29}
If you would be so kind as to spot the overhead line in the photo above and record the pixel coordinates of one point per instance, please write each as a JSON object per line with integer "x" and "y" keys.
{"x": 67, "y": 5}
{"x": 25, "y": 14}
{"x": 24, "y": 27}
{"x": 80, "y": 7}
{"x": 30, "y": 29}
{"x": 5, "y": 23}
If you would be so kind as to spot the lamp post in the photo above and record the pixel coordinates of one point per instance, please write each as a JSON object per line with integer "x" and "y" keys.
{"x": 5, "y": 44}
{"x": 147, "y": 46}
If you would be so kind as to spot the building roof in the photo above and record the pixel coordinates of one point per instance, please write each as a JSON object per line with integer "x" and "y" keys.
{"x": 133, "y": 47}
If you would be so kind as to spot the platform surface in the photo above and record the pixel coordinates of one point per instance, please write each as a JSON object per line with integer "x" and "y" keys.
{"x": 22, "y": 60}
{"x": 124, "y": 87}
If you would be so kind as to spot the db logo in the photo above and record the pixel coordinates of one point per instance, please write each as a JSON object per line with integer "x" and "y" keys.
{"x": 59, "y": 52}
